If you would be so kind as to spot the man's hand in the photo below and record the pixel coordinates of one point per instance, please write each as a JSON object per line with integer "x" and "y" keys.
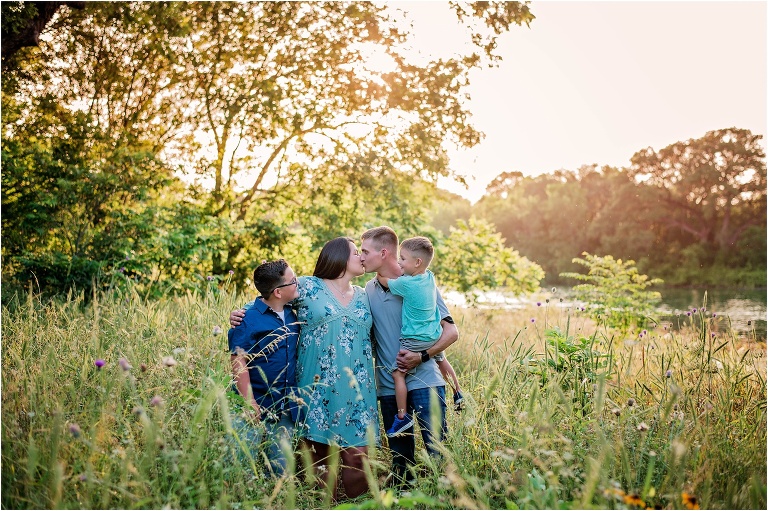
{"x": 236, "y": 317}
{"x": 407, "y": 360}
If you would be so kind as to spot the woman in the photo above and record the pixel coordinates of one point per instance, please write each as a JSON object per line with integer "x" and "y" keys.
{"x": 335, "y": 363}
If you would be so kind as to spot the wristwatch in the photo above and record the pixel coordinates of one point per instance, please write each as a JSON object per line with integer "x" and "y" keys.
{"x": 424, "y": 356}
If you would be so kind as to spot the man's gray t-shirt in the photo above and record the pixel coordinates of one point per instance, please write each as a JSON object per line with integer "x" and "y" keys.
{"x": 387, "y": 311}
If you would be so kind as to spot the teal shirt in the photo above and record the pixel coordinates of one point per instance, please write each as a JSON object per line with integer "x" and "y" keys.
{"x": 421, "y": 319}
{"x": 334, "y": 372}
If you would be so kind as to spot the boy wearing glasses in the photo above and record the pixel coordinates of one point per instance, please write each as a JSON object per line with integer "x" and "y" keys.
{"x": 421, "y": 322}
{"x": 263, "y": 354}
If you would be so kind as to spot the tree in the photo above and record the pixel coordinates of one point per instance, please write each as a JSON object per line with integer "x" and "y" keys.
{"x": 474, "y": 258}
{"x": 262, "y": 104}
{"x": 713, "y": 187}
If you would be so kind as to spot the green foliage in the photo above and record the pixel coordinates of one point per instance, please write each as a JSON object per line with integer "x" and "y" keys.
{"x": 668, "y": 416}
{"x": 615, "y": 290}
{"x": 474, "y": 258}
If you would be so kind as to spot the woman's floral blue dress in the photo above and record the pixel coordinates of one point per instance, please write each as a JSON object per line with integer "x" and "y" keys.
{"x": 335, "y": 371}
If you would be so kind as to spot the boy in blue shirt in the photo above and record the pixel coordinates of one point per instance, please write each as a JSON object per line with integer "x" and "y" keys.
{"x": 263, "y": 354}
{"x": 421, "y": 321}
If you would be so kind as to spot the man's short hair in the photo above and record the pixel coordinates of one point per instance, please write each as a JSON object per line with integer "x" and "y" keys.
{"x": 268, "y": 275}
{"x": 421, "y": 247}
{"x": 382, "y": 237}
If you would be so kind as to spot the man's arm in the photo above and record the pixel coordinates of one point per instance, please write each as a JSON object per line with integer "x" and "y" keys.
{"x": 407, "y": 359}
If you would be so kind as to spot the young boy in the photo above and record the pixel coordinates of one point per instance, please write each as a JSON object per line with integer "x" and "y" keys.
{"x": 263, "y": 353}
{"x": 421, "y": 321}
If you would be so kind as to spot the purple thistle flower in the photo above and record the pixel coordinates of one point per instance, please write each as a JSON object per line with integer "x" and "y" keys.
{"x": 714, "y": 314}
{"x": 668, "y": 374}
{"x": 99, "y": 363}
{"x": 75, "y": 430}
{"x": 583, "y": 309}
{"x": 645, "y": 332}
{"x": 209, "y": 277}
{"x": 231, "y": 272}
{"x": 533, "y": 320}
{"x": 538, "y": 304}
{"x": 641, "y": 335}
{"x": 124, "y": 364}
{"x": 713, "y": 334}
{"x": 694, "y": 310}
{"x": 688, "y": 313}
{"x": 156, "y": 401}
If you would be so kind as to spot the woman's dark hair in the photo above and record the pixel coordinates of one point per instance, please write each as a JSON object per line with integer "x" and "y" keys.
{"x": 332, "y": 261}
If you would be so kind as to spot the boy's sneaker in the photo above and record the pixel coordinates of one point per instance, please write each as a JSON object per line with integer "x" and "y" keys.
{"x": 400, "y": 425}
{"x": 458, "y": 401}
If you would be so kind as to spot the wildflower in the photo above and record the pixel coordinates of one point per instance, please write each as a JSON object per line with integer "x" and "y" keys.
{"x": 642, "y": 427}
{"x": 137, "y": 410}
{"x": 630, "y": 402}
{"x": 690, "y": 501}
{"x": 99, "y": 363}
{"x": 538, "y": 304}
{"x": 231, "y": 272}
{"x": 143, "y": 368}
{"x": 713, "y": 334}
{"x": 694, "y": 310}
{"x": 688, "y": 313}
{"x": 217, "y": 330}
{"x": 75, "y": 430}
{"x": 583, "y": 309}
{"x": 645, "y": 332}
{"x": 124, "y": 365}
{"x": 714, "y": 314}
{"x": 169, "y": 361}
{"x": 83, "y": 477}
{"x": 616, "y": 411}
{"x": 209, "y": 277}
{"x": 547, "y": 300}
{"x": 156, "y": 401}
{"x": 533, "y": 320}
{"x": 640, "y": 335}
{"x": 121, "y": 270}
{"x": 668, "y": 374}
{"x": 634, "y": 500}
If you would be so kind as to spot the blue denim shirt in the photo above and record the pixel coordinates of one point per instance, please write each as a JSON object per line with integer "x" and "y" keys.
{"x": 271, "y": 348}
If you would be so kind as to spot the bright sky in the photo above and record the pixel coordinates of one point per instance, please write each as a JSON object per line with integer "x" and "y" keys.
{"x": 594, "y": 82}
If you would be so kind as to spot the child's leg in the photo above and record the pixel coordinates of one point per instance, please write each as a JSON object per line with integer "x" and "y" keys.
{"x": 448, "y": 373}
{"x": 401, "y": 392}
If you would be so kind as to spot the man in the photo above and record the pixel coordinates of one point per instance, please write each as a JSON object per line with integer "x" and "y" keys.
{"x": 263, "y": 353}
{"x": 379, "y": 254}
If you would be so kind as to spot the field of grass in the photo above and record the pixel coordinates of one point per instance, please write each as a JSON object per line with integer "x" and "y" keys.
{"x": 562, "y": 413}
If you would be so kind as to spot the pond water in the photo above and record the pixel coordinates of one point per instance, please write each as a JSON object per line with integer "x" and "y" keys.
{"x": 745, "y": 309}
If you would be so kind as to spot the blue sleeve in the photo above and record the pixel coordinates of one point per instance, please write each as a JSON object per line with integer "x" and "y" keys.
{"x": 399, "y": 286}
{"x": 249, "y": 305}
{"x": 239, "y": 337}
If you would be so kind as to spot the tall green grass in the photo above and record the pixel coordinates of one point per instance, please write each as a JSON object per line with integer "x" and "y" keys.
{"x": 562, "y": 412}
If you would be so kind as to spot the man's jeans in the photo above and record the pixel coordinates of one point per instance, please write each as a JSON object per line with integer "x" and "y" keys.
{"x": 403, "y": 447}
{"x": 271, "y": 433}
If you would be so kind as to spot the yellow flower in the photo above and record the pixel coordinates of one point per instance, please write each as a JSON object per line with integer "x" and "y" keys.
{"x": 634, "y": 500}
{"x": 690, "y": 501}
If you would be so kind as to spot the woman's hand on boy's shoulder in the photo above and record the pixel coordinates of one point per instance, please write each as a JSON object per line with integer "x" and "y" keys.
{"x": 236, "y": 317}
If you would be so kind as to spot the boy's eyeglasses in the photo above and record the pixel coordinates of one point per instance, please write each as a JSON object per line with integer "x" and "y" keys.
{"x": 291, "y": 283}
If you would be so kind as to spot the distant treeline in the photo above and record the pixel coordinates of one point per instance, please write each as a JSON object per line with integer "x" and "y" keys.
{"x": 692, "y": 213}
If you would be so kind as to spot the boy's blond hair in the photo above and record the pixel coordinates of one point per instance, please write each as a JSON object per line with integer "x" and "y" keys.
{"x": 421, "y": 247}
